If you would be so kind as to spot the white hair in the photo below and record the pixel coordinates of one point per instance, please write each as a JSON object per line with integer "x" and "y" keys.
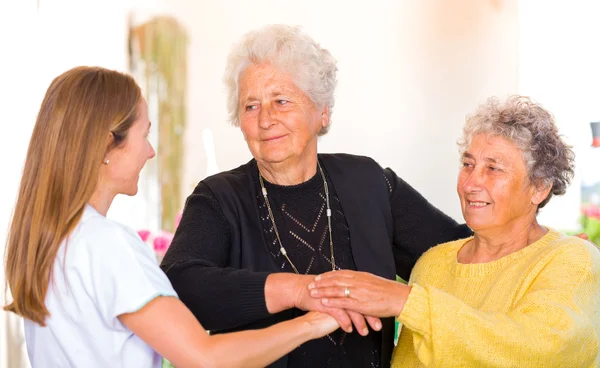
{"x": 312, "y": 67}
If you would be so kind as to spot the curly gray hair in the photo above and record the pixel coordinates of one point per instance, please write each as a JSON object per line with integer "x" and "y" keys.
{"x": 288, "y": 48}
{"x": 548, "y": 159}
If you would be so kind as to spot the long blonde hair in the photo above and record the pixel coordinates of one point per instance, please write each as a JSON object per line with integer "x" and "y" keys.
{"x": 86, "y": 112}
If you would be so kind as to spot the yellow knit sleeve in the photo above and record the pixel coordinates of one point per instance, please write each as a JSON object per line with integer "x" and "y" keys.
{"x": 552, "y": 325}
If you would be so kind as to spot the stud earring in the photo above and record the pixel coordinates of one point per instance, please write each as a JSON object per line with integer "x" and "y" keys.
{"x": 106, "y": 162}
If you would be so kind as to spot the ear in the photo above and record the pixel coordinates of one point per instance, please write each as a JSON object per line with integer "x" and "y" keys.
{"x": 325, "y": 117}
{"x": 541, "y": 193}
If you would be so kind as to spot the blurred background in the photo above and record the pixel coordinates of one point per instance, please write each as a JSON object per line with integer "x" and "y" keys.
{"x": 409, "y": 72}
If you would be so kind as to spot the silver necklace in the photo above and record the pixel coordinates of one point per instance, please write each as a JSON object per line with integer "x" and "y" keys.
{"x": 281, "y": 248}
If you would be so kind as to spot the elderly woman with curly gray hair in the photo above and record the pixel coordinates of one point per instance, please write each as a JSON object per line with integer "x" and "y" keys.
{"x": 251, "y": 239}
{"x": 516, "y": 294}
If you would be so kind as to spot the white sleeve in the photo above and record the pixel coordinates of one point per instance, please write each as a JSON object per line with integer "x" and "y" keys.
{"x": 124, "y": 272}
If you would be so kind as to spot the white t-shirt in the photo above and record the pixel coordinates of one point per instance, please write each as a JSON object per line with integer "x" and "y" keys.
{"x": 101, "y": 272}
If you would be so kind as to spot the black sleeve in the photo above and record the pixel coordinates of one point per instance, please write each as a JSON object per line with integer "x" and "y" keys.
{"x": 418, "y": 225}
{"x": 196, "y": 263}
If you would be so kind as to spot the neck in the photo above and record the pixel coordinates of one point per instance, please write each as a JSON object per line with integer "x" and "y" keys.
{"x": 101, "y": 200}
{"x": 289, "y": 172}
{"x": 489, "y": 246}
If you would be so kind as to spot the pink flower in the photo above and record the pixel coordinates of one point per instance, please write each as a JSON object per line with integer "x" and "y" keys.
{"x": 144, "y": 234}
{"x": 162, "y": 242}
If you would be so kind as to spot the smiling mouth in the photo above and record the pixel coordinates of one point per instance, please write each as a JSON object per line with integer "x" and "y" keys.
{"x": 477, "y": 204}
{"x": 273, "y": 138}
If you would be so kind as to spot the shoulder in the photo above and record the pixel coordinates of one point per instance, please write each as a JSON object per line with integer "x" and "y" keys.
{"x": 352, "y": 167}
{"x": 239, "y": 175}
{"x": 98, "y": 237}
{"x": 445, "y": 252}
{"x": 571, "y": 250}
{"x": 347, "y": 159}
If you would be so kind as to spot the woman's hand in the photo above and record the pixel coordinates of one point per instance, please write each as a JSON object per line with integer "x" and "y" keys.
{"x": 284, "y": 291}
{"x": 360, "y": 292}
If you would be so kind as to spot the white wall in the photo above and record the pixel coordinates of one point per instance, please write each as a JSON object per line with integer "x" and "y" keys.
{"x": 559, "y": 65}
{"x": 409, "y": 71}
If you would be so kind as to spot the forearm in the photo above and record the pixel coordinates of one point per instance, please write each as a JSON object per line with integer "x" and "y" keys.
{"x": 183, "y": 341}
{"x": 257, "y": 348}
{"x": 281, "y": 290}
{"x": 221, "y": 298}
{"x": 418, "y": 225}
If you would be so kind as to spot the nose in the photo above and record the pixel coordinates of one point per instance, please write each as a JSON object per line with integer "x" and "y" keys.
{"x": 265, "y": 117}
{"x": 152, "y": 152}
{"x": 474, "y": 181}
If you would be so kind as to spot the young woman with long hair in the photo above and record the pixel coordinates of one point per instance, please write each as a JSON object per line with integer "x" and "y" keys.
{"x": 89, "y": 289}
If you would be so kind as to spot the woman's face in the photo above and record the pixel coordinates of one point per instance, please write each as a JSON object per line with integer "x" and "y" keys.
{"x": 279, "y": 122}
{"x": 127, "y": 160}
{"x": 493, "y": 186}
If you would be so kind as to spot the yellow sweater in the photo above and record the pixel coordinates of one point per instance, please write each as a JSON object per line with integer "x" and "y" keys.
{"x": 537, "y": 307}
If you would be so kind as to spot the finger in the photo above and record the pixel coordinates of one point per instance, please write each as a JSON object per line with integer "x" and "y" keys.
{"x": 359, "y": 323}
{"x": 374, "y": 322}
{"x": 329, "y": 292}
{"x": 343, "y": 273}
{"x": 343, "y": 303}
{"x": 331, "y": 281}
{"x": 342, "y": 318}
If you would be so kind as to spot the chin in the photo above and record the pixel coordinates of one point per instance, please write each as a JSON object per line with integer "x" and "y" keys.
{"x": 131, "y": 192}
{"x": 275, "y": 157}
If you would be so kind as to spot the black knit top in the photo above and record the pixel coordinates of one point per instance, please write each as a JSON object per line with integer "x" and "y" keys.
{"x": 300, "y": 213}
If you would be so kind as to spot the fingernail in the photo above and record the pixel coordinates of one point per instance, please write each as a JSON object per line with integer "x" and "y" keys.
{"x": 313, "y": 292}
{"x": 350, "y": 330}
{"x": 378, "y": 325}
{"x": 318, "y": 278}
{"x": 365, "y": 331}
{"x": 311, "y": 286}
{"x": 325, "y": 301}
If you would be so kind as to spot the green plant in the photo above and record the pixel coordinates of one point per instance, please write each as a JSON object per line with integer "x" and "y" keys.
{"x": 591, "y": 226}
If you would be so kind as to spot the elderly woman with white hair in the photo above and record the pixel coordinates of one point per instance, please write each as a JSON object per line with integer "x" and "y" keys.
{"x": 250, "y": 238}
{"x": 516, "y": 294}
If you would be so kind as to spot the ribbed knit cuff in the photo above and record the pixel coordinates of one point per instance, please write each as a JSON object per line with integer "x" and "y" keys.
{"x": 416, "y": 314}
{"x": 252, "y": 295}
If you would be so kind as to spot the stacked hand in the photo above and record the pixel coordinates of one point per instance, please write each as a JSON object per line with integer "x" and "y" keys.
{"x": 345, "y": 318}
{"x": 360, "y": 292}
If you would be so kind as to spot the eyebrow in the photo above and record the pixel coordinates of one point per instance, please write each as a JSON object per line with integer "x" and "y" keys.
{"x": 492, "y": 159}
{"x": 274, "y": 93}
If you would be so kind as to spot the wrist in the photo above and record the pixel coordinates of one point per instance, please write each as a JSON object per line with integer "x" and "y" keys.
{"x": 402, "y": 292}
{"x": 281, "y": 290}
{"x": 307, "y": 329}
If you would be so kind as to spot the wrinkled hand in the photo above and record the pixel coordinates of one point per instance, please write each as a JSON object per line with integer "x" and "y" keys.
{"x": 344, "y": 318}
{"x": 368, "y": 294}
{"x": 320, "y": 324}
